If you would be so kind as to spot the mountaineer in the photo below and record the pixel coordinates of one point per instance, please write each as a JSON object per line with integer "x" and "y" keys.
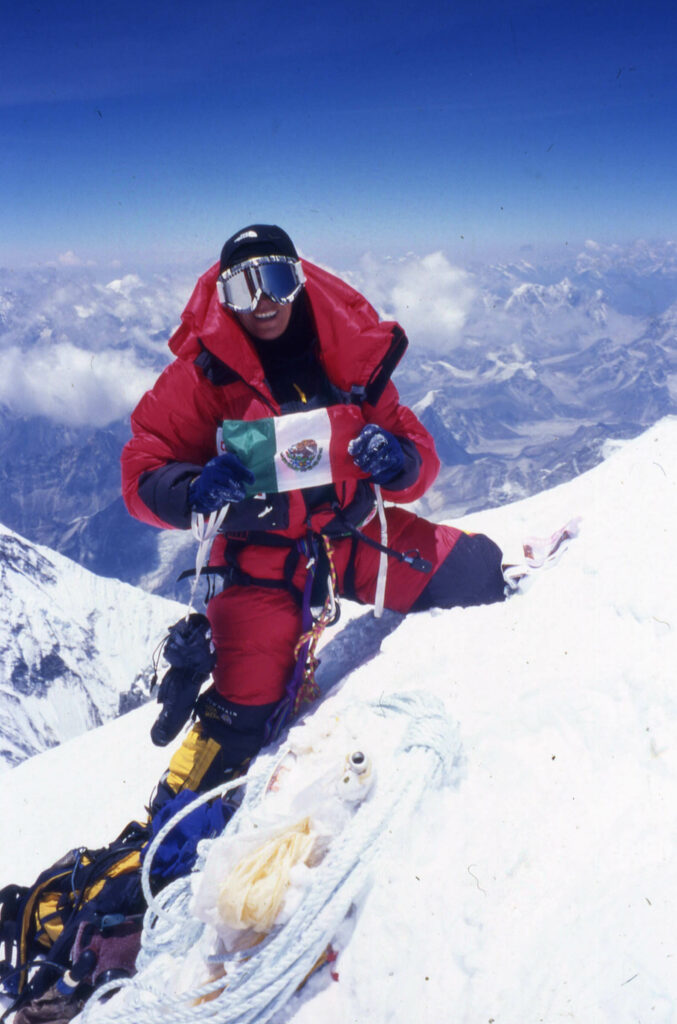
{"x": 269, "y": 342}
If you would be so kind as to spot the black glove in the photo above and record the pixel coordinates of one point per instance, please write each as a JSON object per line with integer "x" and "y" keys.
{"x": 189, "y": 651}
{"x": 223, "y": 480}
{"x": 377, "y": 452}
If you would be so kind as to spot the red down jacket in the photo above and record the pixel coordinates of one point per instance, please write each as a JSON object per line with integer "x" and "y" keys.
{"x": 175, "y": 424}
{"x": 217, "y": 375}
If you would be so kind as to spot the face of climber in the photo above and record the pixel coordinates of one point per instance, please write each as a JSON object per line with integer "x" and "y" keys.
{"x": 267, "y": 320}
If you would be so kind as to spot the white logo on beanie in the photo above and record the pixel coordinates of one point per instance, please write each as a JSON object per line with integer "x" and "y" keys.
{"x": 245, "y": 234}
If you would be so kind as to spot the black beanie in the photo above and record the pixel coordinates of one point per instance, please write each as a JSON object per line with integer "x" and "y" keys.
{"x": 256, "y": 240}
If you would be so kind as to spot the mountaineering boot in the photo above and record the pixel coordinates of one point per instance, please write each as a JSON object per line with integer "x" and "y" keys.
{"x": 217, "y": 749}
{"x": 197, "y": 766}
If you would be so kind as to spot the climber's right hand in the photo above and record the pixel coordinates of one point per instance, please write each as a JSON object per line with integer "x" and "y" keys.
{"x": 223, "y": 481}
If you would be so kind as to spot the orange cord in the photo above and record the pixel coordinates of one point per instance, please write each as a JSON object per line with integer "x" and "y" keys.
{"x": 309, "y": 690}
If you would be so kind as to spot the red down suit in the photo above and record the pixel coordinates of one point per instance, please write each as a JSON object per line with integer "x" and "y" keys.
{"x": 217, "y": 375}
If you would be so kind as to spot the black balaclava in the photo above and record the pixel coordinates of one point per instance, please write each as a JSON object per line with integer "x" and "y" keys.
{"x": 290, "y": 362}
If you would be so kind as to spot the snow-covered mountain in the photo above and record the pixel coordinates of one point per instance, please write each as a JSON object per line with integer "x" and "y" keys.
{"x": 75, "y": 649}
{"x": 539, "y": 886}
{"x": 522, "y": 371}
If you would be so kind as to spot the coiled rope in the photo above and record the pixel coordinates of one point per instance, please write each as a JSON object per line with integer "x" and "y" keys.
{"x": 259, "y": 981}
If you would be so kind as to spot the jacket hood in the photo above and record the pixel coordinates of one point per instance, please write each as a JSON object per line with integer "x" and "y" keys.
{"x": 353, "y": 342}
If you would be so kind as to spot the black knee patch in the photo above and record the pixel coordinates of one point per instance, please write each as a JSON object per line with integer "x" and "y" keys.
{"x": 471, "y": 574}
{"x": 238, "y": 728}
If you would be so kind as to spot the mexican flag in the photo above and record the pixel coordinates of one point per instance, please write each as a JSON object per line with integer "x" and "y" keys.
{"x": 302, "y": 449}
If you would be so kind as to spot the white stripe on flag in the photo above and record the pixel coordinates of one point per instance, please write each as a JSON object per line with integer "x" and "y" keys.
{"x": 302, "y": 442}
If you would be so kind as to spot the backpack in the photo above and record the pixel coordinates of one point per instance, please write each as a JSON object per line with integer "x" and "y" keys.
{"x": 39, "y": 923}
{"x": 82, "y": 914}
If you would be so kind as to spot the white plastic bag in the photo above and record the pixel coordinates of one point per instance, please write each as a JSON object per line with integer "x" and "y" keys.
{"x": 256, "y": 873}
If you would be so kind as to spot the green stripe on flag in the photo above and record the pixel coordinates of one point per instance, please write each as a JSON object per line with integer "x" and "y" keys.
{"x": 253, "y": 441}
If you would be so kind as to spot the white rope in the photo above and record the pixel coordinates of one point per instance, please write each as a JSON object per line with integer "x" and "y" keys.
{"x": 379, "y": 600}
{"x": 204, "y": 533}
{"x": 261, "y": 980}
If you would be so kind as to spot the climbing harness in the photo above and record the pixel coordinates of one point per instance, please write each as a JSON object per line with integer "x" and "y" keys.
{"x": 411, "y": 558}
{"x": 321, "y": 579}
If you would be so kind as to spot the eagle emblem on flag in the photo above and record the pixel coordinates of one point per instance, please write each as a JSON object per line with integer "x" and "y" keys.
{"x": 302, "y": 456}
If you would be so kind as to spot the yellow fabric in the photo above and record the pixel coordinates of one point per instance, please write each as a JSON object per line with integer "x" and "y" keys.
{"x": 47, "y": 904}
{"x": 191, "y": 761}
{"x": 34, "y": 906}
{"x": 252, "y": 894}
{"x": 48, "y": 914}
{"x": 132, "y": 862}
{"x": 51, "y": 929}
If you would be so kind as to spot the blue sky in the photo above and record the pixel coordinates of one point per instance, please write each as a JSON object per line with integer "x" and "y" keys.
{"x": 152, "y": 131}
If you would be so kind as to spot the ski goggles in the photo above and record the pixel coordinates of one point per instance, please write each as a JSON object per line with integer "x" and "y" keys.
{"x": 281, "y": 278}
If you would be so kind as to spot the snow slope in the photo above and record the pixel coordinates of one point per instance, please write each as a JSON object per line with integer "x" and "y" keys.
{"x": 75, "y": 649}
{"x": 541, "y": 887}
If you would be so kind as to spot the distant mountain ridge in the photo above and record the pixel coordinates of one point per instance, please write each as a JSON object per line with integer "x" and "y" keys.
{"x": 75, "y": 649}
{"x": 553, "y": 360}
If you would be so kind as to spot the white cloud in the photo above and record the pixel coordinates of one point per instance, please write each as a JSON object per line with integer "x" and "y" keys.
{"x": 71, "y": 385}
{"x": 71, "y": 259}
{"x": 427, "y": 295}
{"x": 125, "y": 285}
{"x": 81, "y": 350}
